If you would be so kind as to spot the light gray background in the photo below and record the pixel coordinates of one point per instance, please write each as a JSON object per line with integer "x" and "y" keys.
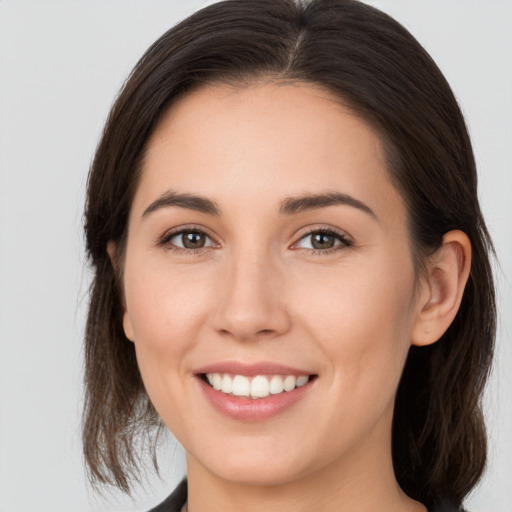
{"x": 61, "y": 64}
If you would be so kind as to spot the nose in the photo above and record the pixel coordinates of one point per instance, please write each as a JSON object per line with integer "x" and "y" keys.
{"x": 251, "y": 302}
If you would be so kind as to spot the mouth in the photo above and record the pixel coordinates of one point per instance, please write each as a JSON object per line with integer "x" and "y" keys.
{"x": 255, "y": 387}
{"x": 253, "y": 392}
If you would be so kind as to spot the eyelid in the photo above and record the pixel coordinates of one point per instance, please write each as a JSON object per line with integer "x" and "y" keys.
{"x": 164, "y": 240}
{"x": 345, "y": 239}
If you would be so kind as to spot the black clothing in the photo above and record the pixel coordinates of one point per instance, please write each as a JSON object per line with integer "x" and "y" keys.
{"x": 175, "y": 501}
{"x": 178, "y": 498}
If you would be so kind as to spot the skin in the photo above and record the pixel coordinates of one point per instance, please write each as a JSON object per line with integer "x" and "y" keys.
{"x": 258, "y": 291}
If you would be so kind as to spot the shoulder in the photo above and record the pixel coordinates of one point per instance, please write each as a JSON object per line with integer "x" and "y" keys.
{"x": 175, "y": 501}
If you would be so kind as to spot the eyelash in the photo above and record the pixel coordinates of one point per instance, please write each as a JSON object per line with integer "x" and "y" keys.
{"x": 346, "y": 242}
{"x": 165, "y": 240}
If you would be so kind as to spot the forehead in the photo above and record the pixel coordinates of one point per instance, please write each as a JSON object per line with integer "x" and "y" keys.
{"x": 261, "y": 142}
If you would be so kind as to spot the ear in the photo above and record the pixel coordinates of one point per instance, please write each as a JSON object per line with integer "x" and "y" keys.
{"x": 111, "y": 250}
{"x": 127, "y": 324}
{"x": 442, "y": 289}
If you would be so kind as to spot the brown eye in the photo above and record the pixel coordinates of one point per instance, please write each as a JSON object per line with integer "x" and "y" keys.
{"x": 188, "y": 239}
{"x": 193, "y": 239}
{"x": 322, "y": 241}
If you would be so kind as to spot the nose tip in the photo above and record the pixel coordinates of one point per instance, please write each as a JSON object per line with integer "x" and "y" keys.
{"x": 250, "y": 304}
{"x": 243, "y": 331}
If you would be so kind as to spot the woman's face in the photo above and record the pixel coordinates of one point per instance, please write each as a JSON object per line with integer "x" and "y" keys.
{"x": 267, "y": 247}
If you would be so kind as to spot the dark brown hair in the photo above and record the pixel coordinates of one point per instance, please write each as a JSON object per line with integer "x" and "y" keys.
{"x": 373, "y": 65}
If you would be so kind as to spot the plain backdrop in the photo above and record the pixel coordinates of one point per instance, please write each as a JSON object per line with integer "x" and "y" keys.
{"x": 61, "y": 65}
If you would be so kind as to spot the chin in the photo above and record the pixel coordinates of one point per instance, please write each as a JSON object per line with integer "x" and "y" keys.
{"x": 257, "y": 464}
{"x": 267, "y": 474}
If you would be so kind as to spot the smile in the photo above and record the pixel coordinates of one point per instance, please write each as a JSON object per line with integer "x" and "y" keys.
{"x": 254, "y": 391}
{"x": 257, "y": 387}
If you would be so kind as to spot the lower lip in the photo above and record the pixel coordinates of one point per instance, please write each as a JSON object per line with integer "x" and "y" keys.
{"x": 249, "y": 409}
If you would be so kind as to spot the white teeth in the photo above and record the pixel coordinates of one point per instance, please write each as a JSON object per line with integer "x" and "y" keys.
{"x": 241, "y": 386}
{"x": 303, "y": 379}
{"x": 289, "y": 382}
{"x": 226, "y": 384}
{"x": 260, "y": 386}
{"x": 217, "y": 381}
{"x": 276, "y": 385}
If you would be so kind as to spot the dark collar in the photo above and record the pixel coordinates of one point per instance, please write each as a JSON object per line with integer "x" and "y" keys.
{"x": 175, "y": 501}
{"x": 179, "y": 496}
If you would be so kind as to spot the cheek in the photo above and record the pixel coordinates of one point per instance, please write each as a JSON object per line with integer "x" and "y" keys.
{"x": 362, "y": 319}
{"x": 167, "y": 307}
{"x": 164, "y": 305}
{"x": 166, "y": 310}
{"x": 361, "y": 324}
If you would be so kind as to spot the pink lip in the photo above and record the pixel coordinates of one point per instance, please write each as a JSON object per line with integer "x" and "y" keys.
{"x": 251, "y": 369}
{"x": 249, "y": 409}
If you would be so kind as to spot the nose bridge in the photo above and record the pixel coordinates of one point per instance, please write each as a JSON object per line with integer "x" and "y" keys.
{"x": 250, "y": 304}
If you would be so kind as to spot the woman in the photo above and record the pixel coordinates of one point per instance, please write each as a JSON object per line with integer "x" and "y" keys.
{"x": 291, "y": 269}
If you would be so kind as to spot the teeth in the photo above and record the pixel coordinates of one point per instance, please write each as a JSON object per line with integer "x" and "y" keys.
{"x": 260, "y": 386}
{"x": 289, "y": 383}
{"x": 226, "y": 385}
{"x": 241, "y": 385}
{"x": 276, "y": 385}
{"x": 302, "y": 380}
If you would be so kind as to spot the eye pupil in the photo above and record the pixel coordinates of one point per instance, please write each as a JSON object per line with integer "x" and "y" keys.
{"x": 193, "y": 240}
{"x": 323, "y": 241}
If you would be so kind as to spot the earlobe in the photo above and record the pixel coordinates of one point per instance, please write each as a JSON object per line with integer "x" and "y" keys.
{"x": 127, "y": 324}
{"x": 447, "y": 275}
{"x": 111, "y": 250}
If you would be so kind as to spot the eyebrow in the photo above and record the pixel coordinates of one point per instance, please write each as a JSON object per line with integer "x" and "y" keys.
{"x": 289, "y": 206}
{"x": 188, "y": 201}
{"x": 303, "y": 203}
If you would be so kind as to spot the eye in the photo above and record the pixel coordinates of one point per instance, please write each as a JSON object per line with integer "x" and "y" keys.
{"x": 323, "y": 240}
{"x": 187, "y": 240}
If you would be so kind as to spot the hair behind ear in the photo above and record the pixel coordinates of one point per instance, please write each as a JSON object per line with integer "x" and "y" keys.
{"x": 441, "y": 386}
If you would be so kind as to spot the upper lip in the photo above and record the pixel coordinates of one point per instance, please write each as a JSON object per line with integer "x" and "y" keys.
{"x": 252, "y": 369}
